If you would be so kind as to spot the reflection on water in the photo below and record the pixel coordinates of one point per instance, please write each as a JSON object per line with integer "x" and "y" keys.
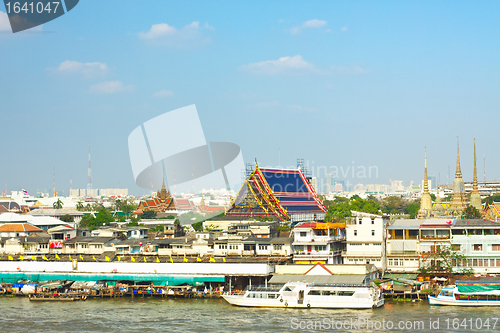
{"x": 215, "y": 315}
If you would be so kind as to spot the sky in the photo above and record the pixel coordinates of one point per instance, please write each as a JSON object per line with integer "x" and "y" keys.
{"x": 341, "y": 84}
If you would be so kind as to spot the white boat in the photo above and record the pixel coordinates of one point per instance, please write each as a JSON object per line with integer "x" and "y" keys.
{"x": 468, "y": 294}
{"x": 309, "y": 295}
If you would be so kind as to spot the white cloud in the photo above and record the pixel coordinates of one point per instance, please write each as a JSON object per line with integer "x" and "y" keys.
{"x": 163, "y": 93}
{"x": 190, "y": 35}
{"x": 110, "y": 87}
{"x": 87, "y": 69}
{"x": 281, "y": 66}
{"x": 4, "y": 22}
{"x": 347, "y": 70}
{"x": 344, "y": 29}
{"x": 315, "y": 23}
{"x": 311, "y": 24}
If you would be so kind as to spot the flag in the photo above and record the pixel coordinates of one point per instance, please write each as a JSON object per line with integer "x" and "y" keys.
{"x": 185, "y": 259}
{"x": 10, "y": 258}
{"x": 21, "y": 257}
{"x": 119, "y": 259}
{"x": 93, "y": 257}
{"x": 107, "y": 258}
{"x": 57, "y": 257}
{"x": 70, "y": 258}
{"x": 25, "y": 192}
{"x": 132, "y": 259}
{"x": 33, "y": 258}
{"x": 157, "y": 259}
{"x": 81, "y": 257}
{"x": 145, "y": 259}
{"x": 198, "y": 259}
{"x": 45, "y": 258}
{"x": 224, "y": 259}
{"x": 212, "y": 259}
{"x": 171, "y": 260}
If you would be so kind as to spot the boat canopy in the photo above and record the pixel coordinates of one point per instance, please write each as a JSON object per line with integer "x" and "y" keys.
{"x": 479, "y": 289}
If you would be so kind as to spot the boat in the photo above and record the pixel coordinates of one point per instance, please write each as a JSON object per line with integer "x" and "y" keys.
{"x": 51, "y": 298}
{"x": 469, "y": 293}
{"x": 309, "y": 295}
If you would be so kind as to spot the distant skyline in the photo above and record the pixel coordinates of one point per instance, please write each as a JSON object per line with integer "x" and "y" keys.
{"x": 339, "y": 84}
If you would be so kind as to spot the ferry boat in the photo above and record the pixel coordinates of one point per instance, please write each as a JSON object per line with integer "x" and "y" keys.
{"x": 309, "y": 295}
{"x": 469, "y": 293}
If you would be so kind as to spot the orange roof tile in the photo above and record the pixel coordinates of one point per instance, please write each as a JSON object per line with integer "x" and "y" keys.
{"x": 18, "y": 227}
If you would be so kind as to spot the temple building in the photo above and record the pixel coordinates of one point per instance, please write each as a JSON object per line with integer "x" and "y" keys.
{"x": 161, "y": 203}
{"x": 426, "y": 200}
{"x": 278, "y": 194}
{"x": 458, "y": 204}
{"x": 475, "y": 198}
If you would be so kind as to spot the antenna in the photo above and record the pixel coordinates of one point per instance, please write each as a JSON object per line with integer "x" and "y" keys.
{"x": 484, "y": 164}
{"x": 89, "y": 179}
{"x": 54, "y": 181}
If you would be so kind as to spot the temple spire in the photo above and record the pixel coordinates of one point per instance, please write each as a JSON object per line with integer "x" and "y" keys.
{"x": 458, "y": 173}
{"x": 426, "y": 182}
{"x": 475, "y": 197}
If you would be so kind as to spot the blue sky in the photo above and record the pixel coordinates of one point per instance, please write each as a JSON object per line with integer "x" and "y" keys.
{"x": 337, "y": 83}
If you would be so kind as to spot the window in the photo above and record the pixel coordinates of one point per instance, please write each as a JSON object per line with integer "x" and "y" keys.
{"x": 233, "y": 247}
{"x": 478, "y": 247}
{"x": 355, "y": 232}
{"x": 44, "y": 246}
{"x": 360, "y": 221}
{"x": 278, "y": 247}
{"x": 222, "y": 246}
{"x": 457, "y": 232}
{"x": 373, "y": 221}
{"x": 303, "y": 234}
{"x": 263, "y": 247}
{"x": 390, "y": 262}
{"x": 373, "y": 232}
{"x": 84, "y": 246}
{"x": 98, "y": 246}
{"x": 320, "y": 247}
{"x": 495, "y": 247}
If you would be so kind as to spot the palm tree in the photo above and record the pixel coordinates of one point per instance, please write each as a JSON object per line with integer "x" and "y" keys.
{"x": 79, "y": 206}
{"x": 58, "y": 204}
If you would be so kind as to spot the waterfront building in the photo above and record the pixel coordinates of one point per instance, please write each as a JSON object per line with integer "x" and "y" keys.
{"x": 56, "y": 213}
{"x": 315, "y": 242}
{"x": 86, "y": 245}
{"x": 125, "y": 232}
{"x": 402, "y": 245}
{"x": 479, "y": 242}
{"x": 346, "y": 273}
{"x": 18, "y": 230}
{"x": 365, "y": 242}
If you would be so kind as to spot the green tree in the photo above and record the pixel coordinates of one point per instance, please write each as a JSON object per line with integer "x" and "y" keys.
{"x": 87, "y": 221}
{"x": 491, "y": 199}
{"x": 433, "y": 197}
{"x": 412, "y": 209}
{"x": 67, "y": 218}
{"x": 444, "y": 260}
{"x": 148, "y": 214}
{"x": 471, "y": 212}
{"x": 103, "y": 218}
{"x": 79, "y": 206}
{"x": 58, "y": 204}
{"x": 198, "y": 226}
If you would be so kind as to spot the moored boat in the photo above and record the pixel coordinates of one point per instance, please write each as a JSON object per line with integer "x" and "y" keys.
{"x": 469, "y": 293}
{"x": 58, "y": 298}
{"x": 309, "y": 295}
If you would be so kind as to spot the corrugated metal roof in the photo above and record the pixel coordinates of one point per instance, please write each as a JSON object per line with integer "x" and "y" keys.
{"x": 336, "y": 279}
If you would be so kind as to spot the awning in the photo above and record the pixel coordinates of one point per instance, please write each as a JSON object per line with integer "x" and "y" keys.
{"x": 333, "y": 279}
{"x": 407, "y": 276}
{"x": 173, "y": 280}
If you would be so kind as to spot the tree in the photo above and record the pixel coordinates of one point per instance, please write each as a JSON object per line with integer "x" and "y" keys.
{"x": 471, "y": 213}
{"x": 198, "y": 226}
{"x": 87, "y": 221}
{"x": 491, "y": 199}
{"x": 148, "y": 214}
{"x": 67, "y": 218}
{"x": 445, "y": 260}
{"x": 58, "y": 204}
{"x": 433, "y": 197}
{"x": 103, "y": 218}
{"x": 412, "y": 209}
{"x": 79, "y": 206}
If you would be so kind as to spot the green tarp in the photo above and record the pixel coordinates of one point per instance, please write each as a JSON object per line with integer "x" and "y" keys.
{"x": 157, "y": 279}
{"x": 477, "y": 288}
{"x": 407, "y": 276}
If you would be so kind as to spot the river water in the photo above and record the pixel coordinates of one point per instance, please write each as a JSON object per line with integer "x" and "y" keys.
{"x": 215, "y": 315}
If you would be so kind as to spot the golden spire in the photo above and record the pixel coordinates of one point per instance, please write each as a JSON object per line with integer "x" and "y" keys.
{"x": 474, "y": 184}
{"x": 426, "y": 182}
{"x": 458, "y": 173}
{"x": 475, "y": 197}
